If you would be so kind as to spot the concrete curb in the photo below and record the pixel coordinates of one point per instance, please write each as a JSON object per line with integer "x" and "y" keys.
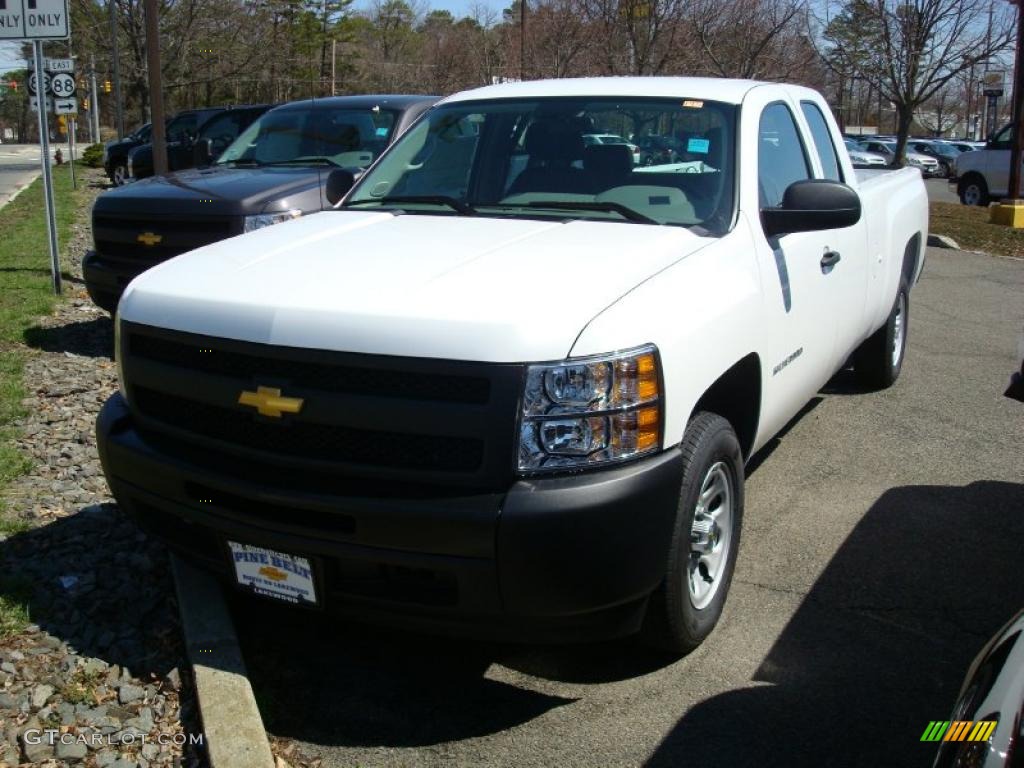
{"x": 235, "y": 737}
{"x": 941, "y": 241}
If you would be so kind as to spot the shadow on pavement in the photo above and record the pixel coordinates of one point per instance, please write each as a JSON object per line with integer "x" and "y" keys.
{"x": 90, "y": 338}
{"x": 93, "y": 580}
{"x": 366, "y": 687}
{"x": 880, "y": 645}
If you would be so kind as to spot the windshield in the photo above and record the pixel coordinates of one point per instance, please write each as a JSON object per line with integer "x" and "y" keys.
{"x": 530, "y": 158}
{"x": 313, "y": 135}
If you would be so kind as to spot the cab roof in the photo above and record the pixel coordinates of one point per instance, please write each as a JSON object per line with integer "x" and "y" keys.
{"x": 368, "y": 101}
{"x": 703, "y": 88}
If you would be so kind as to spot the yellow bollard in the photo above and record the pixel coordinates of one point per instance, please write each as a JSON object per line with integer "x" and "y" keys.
{"x": 1007, "y": 212}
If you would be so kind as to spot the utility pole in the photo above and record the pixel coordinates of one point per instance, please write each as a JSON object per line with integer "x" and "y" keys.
{"x": 334, "y": 46}
{"x": 1018, "y": 111}
{"x": 118, "y": 104}
{"x": 94, "y": 101}
{"x": 156, "y": 93}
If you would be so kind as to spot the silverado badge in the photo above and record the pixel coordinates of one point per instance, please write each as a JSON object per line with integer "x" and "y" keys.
{"x": 268, "y": 402}
{"x": 149, "y": 238}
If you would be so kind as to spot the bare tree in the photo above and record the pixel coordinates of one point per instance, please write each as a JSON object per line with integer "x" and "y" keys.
{"x": 911, "y": 50}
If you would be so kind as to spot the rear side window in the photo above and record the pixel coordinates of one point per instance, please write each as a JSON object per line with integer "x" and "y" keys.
{"x": 781, "y": 159}
{"x": 822, "y": 140}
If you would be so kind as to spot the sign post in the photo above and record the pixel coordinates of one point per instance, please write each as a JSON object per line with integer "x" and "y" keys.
{"x": 71, "y": 149}
{"x": 44, "y": 144}
{"x": 39, "y": 20}
{"x": 992, "y": 82}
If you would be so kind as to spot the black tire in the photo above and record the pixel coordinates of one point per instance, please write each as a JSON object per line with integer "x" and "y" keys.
{"x": 674, "y": 621}
{"x": 878, "y": 362}
{"x": 973, "y": 190}
{"x": 119, "y": 174}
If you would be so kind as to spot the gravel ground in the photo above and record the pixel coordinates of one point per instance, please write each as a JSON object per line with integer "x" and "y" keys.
{"x": 103, "y": 665}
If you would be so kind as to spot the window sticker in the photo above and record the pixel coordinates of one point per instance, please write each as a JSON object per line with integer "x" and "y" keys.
{"x": 698, "y": 146}
{"x": 382, "y": 131}
{"x": 693, "y": 104}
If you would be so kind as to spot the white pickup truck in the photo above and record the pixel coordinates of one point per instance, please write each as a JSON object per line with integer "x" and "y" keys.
{"x": 509, "y": 386}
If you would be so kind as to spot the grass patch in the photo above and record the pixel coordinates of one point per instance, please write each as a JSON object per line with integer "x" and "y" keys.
{"x": 25, "y": 293}
{"x": 970, "y": 227}
{"x": 14, "y": 598}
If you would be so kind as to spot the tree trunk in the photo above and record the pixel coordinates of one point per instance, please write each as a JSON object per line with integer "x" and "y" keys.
{"x": 904, "y": 118}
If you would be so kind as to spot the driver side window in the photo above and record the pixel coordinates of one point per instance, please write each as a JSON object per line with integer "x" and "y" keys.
{"x": 781, "y": 157}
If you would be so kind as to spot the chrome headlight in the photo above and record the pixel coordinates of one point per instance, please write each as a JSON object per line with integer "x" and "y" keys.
{"x": 591, "y": 411}
{"x": 261, "y": 220}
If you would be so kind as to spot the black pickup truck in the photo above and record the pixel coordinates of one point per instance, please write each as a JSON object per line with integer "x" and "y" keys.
{"x": 275, "y": 170}
{"x": 196, "y": 138}
{"x": 115, "y": 153}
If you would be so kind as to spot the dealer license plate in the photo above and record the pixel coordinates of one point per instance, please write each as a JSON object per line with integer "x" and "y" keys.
{"x": 273, "y": 574}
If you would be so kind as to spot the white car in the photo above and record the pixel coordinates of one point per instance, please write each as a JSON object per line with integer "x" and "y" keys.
{"x": 928, "y": 166}
{"x": 860, "y": 156}
{"x": 589, "y": 139}
{"x": 511, "y": 384}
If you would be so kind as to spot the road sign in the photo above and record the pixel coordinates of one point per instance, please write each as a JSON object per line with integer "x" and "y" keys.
{"x": 53, "y": 66}
{"x": 33, "y": 84}
{"x": 33, "y": 103}
{"x": 992, "y": 81}
{"x": 62, "y": 86}
{"x": 65, "y": 106}
{"x": 34, "y": 20}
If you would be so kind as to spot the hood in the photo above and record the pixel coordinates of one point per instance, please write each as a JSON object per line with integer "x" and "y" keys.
{"x": 216, "y": 190}
{"x": 465, "y": 288}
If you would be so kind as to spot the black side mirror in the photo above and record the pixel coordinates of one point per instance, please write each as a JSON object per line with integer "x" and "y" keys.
{"x": 339, "y": 182}
{"x": 202, "y": 152}
{"x": 811, "y": 205}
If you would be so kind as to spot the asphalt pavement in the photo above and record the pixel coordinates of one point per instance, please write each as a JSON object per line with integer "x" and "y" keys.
{"x": 941, "y": 191}
{"x": 19, "y": 166}
{"x": 881, "y": 548}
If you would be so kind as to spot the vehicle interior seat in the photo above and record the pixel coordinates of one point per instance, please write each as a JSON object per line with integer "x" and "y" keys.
{"x": 607, "y": 165}
{"x": 553, "y": 146}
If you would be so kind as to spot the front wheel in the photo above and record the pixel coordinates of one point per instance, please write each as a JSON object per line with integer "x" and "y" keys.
{"x": 706, "y": 537}
{"x": 879, "y": 360}
{"x": 119, "y": 175}
{"x": 974, "y": 191}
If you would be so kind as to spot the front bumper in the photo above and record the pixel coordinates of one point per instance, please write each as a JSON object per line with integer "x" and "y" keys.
{"x": 553, "y": 559}
{"x": 106, "y": 280}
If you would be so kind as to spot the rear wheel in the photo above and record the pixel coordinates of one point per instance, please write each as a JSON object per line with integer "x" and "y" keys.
{"x": 974, "y": 190}
{"x": 119, "y": 174}
{"x": 879, "y": 360}
{"x": 706, "y": 537}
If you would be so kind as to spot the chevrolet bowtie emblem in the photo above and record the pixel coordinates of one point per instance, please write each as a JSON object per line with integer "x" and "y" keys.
{"x": 268, "y": 402}
{"x": 272, "y": 573}
{"x": 149, "y": 238}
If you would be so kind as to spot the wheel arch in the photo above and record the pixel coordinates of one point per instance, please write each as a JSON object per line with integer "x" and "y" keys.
{"x": 736, "y": 397}
{"x": 913, "y": 257}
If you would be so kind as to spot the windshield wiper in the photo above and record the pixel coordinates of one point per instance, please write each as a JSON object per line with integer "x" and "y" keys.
{"x": 305, "y": 161}
{"x": 606, "y": 207}
{"x": 244, "y": 161}
{"x": 456, "y": 205}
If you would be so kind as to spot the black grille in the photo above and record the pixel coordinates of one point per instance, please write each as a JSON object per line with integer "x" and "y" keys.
{"x": 136, "y": 253}
{"x": 375, "y": 382}
{"x": 319, "y": 442}
{"x": 199, "y": 226}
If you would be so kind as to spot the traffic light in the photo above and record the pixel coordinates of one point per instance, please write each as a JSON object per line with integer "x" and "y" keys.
{"x": 106, "y": 86}
{"x": 63, "y": 123}
{"x": 13, "y": 85}
{"x": 85, "y": 103}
